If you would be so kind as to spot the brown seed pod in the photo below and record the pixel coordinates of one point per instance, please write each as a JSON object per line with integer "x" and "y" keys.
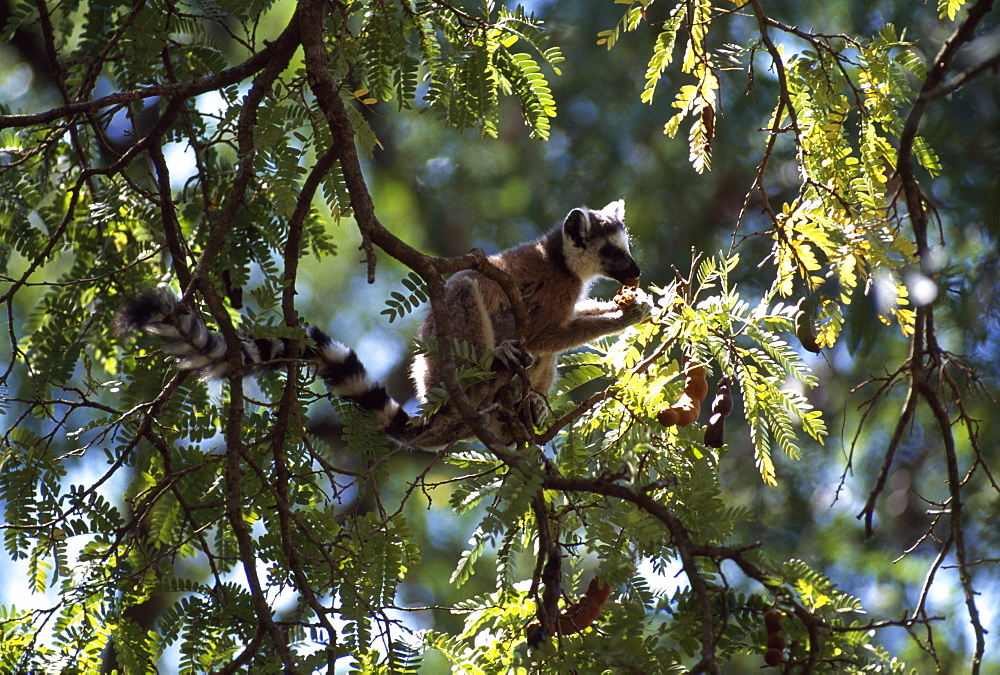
{"x": 777, "y": 641}
{"x": 722, "y": 405}
{"x": 577, "y": 616}
{"x": 586, "y": 610}
{"x": 667, "y": 417}
{"x": 696, "y": 383}
{"x": 805, "y": 325}
{"x": 772, "y": 620}
{"x": 685, "y": 411}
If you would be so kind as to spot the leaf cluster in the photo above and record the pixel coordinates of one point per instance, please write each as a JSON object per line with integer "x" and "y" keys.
{"x": 617, "y": 438}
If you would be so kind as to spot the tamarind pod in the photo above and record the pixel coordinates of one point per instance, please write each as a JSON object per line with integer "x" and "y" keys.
{"x": 688, "y": 416}
{"x": 805, "y": 325}
{"x": 586, "y": 610}
{"x": 775, "y": 653}
{"x": 696, "y": 383}
{"x": 723, "y": 401}
{"x": 715, "y": 432}
{"x": 576, "y": 617}
{"x": 772, "y": 620}
{"x": 683, "y": 413}
{"x": 774, "y": 657}
{"x": 667, "y": 417}
{"x": 688, "y": 410}
{"x": 722, "y": 405}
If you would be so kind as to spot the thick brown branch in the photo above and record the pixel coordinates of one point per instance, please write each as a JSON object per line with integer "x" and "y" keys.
{"x": 186, "y": 89}
{"x": 171, "y": 226}
{"x": 446, "y": 360}
{"x": 289, "y": 403}
{"x": 284, "y": 47}
{"x": 932, "y": 87}
{"x": 935, "y": 77}
{"x": 233, "y": 433}
{"x": 329, "y": 101}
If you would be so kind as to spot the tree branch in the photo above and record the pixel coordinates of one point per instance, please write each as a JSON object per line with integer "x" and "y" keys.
{"x": 957, "y": 524}
{"x": 171, "y": 226}
{"x": 186, "y": 89}
{"x": 964, "y": 33}
{"x": 963, "y": 78}
{"x": 686, "y": 549}
{"x": 283, "y": 47}
{"x": 431, "y": 269}
{"x": 924, "y": 337}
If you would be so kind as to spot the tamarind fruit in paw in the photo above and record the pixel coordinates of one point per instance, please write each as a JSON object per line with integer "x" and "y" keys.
{"x": 626, "y": 296}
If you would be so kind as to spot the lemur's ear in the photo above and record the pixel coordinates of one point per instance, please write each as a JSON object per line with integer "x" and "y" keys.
{"x": 576, "y": 227}
{"x": 615, "y": 210}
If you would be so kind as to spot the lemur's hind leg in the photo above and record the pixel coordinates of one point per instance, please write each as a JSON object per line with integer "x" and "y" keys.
{"x": 510, "y": 355}
{"x": 538, "y": 408}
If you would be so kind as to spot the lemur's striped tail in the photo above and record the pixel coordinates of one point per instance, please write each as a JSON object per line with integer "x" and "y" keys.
{"x": 186, "y": 337}
{"x": 347, "y": 378}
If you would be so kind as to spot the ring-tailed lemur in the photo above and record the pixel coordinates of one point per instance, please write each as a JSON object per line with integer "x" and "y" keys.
{"x": 552, "y": 274}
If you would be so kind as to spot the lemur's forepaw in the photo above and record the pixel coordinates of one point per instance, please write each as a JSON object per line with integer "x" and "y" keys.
{"x": 640, "y": 309}
{"x": 511, "y": 355}
{"x": 538, "y": 406}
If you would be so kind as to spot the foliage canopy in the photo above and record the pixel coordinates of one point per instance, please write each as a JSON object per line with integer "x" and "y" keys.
{"x": 228, "y": 150}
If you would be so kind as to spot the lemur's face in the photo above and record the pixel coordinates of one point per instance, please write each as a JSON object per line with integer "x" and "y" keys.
{"x": 616, "y": 260}
{"x": 597, "y": 245}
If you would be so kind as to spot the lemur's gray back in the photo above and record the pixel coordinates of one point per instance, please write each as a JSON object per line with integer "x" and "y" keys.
{"x": 552, "y": 274}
